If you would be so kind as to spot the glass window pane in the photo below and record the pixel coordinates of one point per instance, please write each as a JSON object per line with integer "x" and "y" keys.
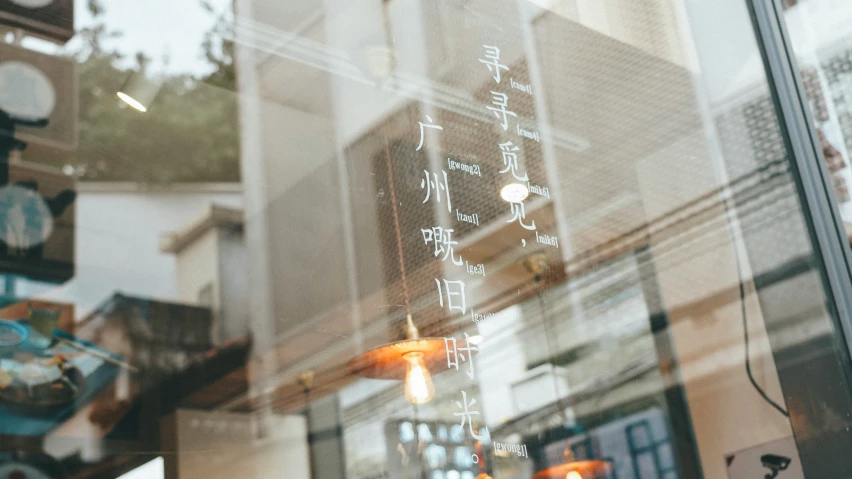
{"x": 410, "y": 238}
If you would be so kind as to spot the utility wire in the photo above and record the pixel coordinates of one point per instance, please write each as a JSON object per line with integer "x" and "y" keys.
{"x": 392, "y": 189}
{"x": 744, "y": 314}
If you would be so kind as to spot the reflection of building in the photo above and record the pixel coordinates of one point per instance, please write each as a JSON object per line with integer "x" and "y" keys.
{"x": 663, "y": 242}
{"x": 431, "y": 447}
{"x": 210, "y": 255}
{"x": 319, "y": 225}
{"x": 171, "y": 346}
{"x": 154, "y": 335}
{"x": 639, "y": 147}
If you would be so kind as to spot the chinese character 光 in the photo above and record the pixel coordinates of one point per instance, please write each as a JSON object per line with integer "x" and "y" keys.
{"x": 454, "y": 289}
{"x": 467, "y": 415}
{"x": 519, "y": 215}
{"x": 492, "y": 61}
{"x": 510, "y": 160}
{"x": 501, "y": 101}
{"x": 442, "y": 240}
{"x": 435, "y": 184}
{"x": 454, "y": 353}
{"x": 423, "y": 125}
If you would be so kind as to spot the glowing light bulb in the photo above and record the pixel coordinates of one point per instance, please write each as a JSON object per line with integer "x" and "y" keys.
{"x": 131, "y": 101}
{"x": 418, "y": 382}
{"x": 574, "y": 475}
{"x": 515, "y": 193}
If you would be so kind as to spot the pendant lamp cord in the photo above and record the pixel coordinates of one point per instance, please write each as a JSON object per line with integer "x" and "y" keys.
{"x": 743, "y": 312}
{"x": 548, "y": 341}
{"x": 396, "y": 228}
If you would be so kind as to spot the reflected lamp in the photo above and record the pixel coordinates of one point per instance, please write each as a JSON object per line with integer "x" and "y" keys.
{"x": 573, "y": 469}
{"x": 139, "y": 91}
{"x": 514, "y": 192}
{"x": 410, "y": 360}
{"x": 413, "y": 358}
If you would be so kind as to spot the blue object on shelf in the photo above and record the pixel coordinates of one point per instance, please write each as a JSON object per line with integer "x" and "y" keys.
{"x": 12, "y": 334}
{"x": 16, "y": 423}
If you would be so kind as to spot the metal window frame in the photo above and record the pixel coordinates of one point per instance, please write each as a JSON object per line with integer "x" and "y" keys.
{"x": 831, "y": 251}
{"x": 819, "y": 205}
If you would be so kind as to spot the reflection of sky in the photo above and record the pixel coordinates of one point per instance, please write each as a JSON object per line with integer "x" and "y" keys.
{"x": 158, "y": 28}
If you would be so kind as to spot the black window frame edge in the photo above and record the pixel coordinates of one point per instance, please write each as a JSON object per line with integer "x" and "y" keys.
{"x": 831, "y": 250}
{"x": 810, "y": 174}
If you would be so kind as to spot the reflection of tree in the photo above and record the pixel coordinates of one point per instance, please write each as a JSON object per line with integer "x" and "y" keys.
{"x": 189, "y": 134}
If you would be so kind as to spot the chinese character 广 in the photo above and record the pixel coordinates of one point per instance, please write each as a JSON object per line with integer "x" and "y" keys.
{"x": 424, "y": 125}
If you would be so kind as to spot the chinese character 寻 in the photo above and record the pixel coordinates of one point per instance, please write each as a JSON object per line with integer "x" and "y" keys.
{"x": 519, "y": 214}
{"x": 500, "y": 111}
{"x": 492, "y": 61}
{"x": 467, "y": 414}
{"x": 454, "y": 288}
{"x": 435, "y": 184}
{"x": 454, "y": 353}
{"x": 510, "y": 160}
{"x": 423, "y": 125}
{"x": 442, "y": 240}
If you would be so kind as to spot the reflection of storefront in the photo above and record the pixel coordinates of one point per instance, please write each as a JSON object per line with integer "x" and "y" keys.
{"x": 434, "y": 449}
{"x": 489, "y": 239}
{"x": 643, "y": 255}
{"x": 137, "y": 361}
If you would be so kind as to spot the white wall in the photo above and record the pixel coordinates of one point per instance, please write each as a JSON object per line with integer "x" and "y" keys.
{"x": 233, "y": 285}
{"x": 227, "y": 445}
{"x": 197, "y": 266}
{"x": 117, "y": 246}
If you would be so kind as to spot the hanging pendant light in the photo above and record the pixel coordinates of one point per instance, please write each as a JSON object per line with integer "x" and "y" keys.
{"x": 413, "y": 358}
{"x": 481, "y": 462}
{"x": 574, "y": 469}
{"x": 410, "y": 359}
{"x": 514, "y": 192}
{"x": 139, "y": 90}
{"x": 537, "y": 265}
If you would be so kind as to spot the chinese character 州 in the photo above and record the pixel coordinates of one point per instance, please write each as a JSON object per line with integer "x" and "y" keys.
{"x": 454, "y": 353}
{"x": 492, "y": 61}
{"x": 423, "y": 125}
{"x": 442, "y": 240}
{"x": 467, "y": 415}
{"x": 510, "y": 160}
{"x": 519, "y": 215}
{"x": 454, "y": 289}
{"x": 435, "y": 183}
{"x": 501, "y": 101}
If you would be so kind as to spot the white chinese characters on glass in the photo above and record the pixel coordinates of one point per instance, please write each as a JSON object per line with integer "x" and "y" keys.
{"x": 455, "y": 295}
{"x": 467, "y": 416}
{"x": 456, "y": 353}
{"x": 442, "y": 241}
{"x": 501, "y": 102}
{"x": 492, "y": 61}
{"x": 510, "y": 160}
{"x": 518, "y": 214}
{"x": 424, "y": 125}
{"x": 435, "y": 183}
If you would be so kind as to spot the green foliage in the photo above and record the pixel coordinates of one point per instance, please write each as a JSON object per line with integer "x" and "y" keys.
{"x": 189, "y": 134}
